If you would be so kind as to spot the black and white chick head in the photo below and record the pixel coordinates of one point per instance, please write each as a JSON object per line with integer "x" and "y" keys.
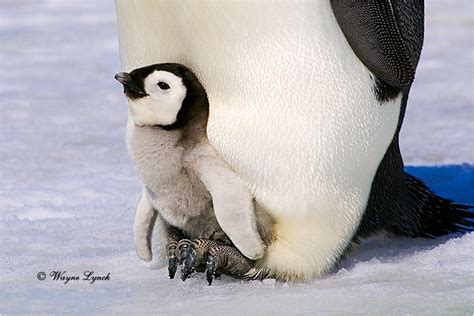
{"x": 164, "y": 95}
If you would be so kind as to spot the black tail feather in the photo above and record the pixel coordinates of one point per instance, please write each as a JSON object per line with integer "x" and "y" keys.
{"x": 402, "y": 205}
{"x": 436, "y": 216}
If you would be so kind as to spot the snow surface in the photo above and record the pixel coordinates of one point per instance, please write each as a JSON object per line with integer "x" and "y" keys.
{"x": 68, "y": 190}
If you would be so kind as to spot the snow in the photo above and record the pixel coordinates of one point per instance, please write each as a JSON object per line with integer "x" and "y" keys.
{"x": 68, "y": 190}
{"x": 438, "y": 127}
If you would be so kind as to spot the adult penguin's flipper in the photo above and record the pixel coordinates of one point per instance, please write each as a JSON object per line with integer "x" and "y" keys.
{"x": 386, "y": 35}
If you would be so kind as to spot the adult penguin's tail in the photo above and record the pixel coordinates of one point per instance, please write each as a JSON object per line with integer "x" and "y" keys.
{"x": 402, "y": 205}
{"x": 435, "y": 216}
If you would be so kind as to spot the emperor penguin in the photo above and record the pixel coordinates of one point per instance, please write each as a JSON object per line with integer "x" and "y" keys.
{"x": 187, "y": 186}
{"x": 307, "y": 99}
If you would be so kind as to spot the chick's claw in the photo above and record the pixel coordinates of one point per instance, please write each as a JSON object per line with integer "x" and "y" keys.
{"x": 184, "y": 246}
{"x": 227, "y": 260}
{"x": 196, "y": 257}
{"x": 205, "y": 255}
{"x": 210, "y": 269}
{"x": 176, "y": 253}
{"x": 189, "y": 264}
{"x": 171, "y": 248}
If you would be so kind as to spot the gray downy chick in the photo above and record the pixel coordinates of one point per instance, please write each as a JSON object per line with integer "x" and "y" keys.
{"x": 186, "y": 184}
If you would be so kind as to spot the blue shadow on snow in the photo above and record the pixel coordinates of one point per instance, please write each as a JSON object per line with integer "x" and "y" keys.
{"x": 455, "y": 182}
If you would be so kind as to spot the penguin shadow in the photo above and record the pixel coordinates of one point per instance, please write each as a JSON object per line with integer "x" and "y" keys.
{"x": 387, "y": 249}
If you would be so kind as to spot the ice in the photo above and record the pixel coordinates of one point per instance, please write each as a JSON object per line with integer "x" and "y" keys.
{"x": 68, "y": 190}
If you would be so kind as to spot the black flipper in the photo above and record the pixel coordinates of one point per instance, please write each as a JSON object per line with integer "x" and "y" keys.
{"x": 386, "y": 35}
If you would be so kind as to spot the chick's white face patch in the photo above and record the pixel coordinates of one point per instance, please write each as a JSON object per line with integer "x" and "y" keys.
{"x": 166, "y": 93}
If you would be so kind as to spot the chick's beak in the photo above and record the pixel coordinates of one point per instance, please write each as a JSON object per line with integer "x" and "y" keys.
{"x": 128, "y": 83}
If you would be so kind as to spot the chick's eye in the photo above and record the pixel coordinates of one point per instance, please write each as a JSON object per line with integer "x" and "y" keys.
{"x": 163, "y": 85}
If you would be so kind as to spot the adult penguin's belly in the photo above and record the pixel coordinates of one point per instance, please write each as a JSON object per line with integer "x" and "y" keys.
{"x": 291, "y": 109}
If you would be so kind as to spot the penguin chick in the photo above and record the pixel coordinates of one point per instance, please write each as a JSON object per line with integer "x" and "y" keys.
{"x": 194, "y": 192}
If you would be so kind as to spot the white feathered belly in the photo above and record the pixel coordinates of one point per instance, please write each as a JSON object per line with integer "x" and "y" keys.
{"x": 292, "y": 110}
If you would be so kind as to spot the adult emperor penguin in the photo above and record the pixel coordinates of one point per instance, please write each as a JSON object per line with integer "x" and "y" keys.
{"x": 306, "y": 103}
